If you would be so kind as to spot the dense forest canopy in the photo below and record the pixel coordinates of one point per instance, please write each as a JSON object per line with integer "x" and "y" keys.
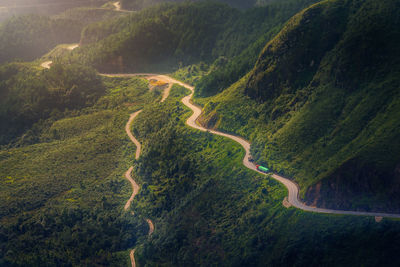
{"x": 167, "y": 36}
{"x": 29, "y": 95}
{"x": 44, "y": 7}
{"x": 141, "y": 4}
{"x": 313, "y": 85}
{"x": 27, "y": 37}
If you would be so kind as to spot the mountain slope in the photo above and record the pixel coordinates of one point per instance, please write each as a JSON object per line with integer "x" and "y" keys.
{"x": 140, "y": 4}
{"x": 27, "y": 37}
{"x": 62, "y": 189}
{"x": 321, "y": 102}
{"x": 10, "y": 8}
{"x": 170, "y": 35}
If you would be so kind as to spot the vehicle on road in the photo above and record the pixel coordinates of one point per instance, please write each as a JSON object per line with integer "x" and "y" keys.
{"x": 262, "y": 169}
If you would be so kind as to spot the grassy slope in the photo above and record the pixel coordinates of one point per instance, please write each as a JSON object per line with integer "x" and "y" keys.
{"x": 62, "y": 198}
{"x": 319, "y": 109}
{"x": 210, "y": 210}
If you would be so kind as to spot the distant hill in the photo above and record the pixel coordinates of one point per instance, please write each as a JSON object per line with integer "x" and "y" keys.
{"x": 167, "y": 36}
{"x": 317, "y": 95}
{"x": 140, "y": 4}
{"x": 27, "y": 37}
{"x": 9, "y": 8}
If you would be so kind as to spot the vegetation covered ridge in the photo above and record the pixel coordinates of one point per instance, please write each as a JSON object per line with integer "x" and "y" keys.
{"x": 135, "y": 186}
{"x": 321, "y": 105}
{"x": 293, "y": 191}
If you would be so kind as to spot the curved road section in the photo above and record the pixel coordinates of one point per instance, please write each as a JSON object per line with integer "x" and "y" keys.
{"x": 135, "y": 186}
{"x": 293, "y": 189}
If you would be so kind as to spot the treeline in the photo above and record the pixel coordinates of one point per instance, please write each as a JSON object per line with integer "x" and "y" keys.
{"x": 43, "y": 7}
{"x": 245, "y": 40}
{"x": 167, "y": 36}
{"x": 27, "y": 37}
{"x": 159, "y": 38}
{"x": 29, "y": 94}
{"x": 30, "y": 36}
{"x": 141, "y": 4}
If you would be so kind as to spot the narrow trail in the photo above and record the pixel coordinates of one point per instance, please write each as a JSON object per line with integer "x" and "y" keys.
{"x": 117, "y": 6}
{"x": 135, "y": 186}
{"x": 72, "y": 46}
{"x": 293, "y": 188}
{"x": 46, "y": 64}
{"x": 132, "y": 256}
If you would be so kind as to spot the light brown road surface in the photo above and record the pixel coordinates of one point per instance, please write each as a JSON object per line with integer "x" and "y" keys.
{"x": 46, "y": 64}
{"x": 293, "y": 189}
{"x": 117, "y": 6}
{"x": 151, "y": 226}
{"x": 148, "y": 76}
{"x": 135, "y": 186}
{"x": 132, "y": 255}
{"x": 72, "y": 46}
{"x": 128, "y": 132}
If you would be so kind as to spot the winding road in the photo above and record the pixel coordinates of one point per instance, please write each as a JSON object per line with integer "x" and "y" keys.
{"x": 135, "y": 186}
{"x": 46, "y": 64}
{"x": 293, "y": 188}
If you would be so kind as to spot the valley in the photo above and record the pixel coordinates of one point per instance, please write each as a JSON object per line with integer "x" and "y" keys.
{"x": 133, "y": 138}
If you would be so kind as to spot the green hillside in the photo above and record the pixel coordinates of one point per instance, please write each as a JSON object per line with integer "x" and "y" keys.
{"x": 28, "y": 37}
{"x": 209, "y": 210}
{"x": 321, "y": 104}
{"x": 167, "y": 36}
{"x": 31, "y": 94}
{"x": 313, "y": 85}
{"x": 141, "y": 4}
{"x": 62, "y": 189}
{"x": 10, "y": 8}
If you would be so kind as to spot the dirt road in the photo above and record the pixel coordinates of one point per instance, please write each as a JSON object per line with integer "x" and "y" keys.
{"x": 46, "y": 64}
{"x": 72, "y": 46}
{"x": 135, "y": 186}
{"x": 117, "y": 6}
{"x": 293, "y": 189}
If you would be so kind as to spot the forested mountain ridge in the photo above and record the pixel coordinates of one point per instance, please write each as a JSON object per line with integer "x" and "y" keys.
{"x": 29, "y": 95}
{"x": 141, "y": 4}
{"x": 317, "y": 96}
{"x": 321, "y": 104}
{"x": 27, "y": 37}
{"x": 163, "y": 37}
{"x": 61, "y": 184}
{"x": 9, "y": 8}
